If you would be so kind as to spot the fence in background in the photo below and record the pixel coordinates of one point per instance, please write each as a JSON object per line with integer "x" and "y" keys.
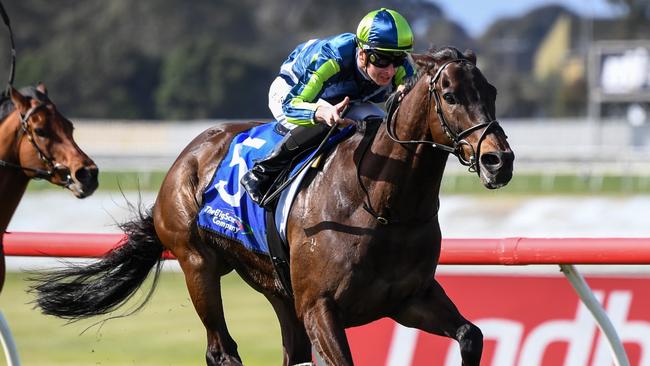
{"x": 497, "y": 251}
{"x": 509, "y": 251}
{"x": 575, "y": 146}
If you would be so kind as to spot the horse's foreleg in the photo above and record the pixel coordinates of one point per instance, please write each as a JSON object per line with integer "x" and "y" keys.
{"x": 203, "y": 273}
{"x": 327, "y": 333}
{"x": 433, "y": 311}
{"x": 296, "y": 344}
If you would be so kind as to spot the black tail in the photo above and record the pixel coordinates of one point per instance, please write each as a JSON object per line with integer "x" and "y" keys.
{"x": 78, "y": 291}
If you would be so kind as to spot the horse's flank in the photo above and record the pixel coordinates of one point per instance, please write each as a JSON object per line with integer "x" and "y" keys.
{"x": 347, "y": 266}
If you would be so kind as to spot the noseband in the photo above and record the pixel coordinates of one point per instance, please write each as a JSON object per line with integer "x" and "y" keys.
{"x": 52, "y": 166}
{"x": 457, "y": 138}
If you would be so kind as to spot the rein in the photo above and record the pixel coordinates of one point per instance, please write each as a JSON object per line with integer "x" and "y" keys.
{"x": 369, "y": 135}
{"x": 49, "y": 162}
{"x": 458, "y": 139}
{"x": 12, "y": 70}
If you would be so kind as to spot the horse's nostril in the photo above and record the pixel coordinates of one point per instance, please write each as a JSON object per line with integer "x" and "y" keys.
{"x": 86, "y": 175}
{"x": 490, "y": 160}
{"x": 508, "y": 157}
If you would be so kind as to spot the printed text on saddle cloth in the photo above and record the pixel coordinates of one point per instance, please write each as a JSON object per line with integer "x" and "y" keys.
{"x": 227, "y": 209}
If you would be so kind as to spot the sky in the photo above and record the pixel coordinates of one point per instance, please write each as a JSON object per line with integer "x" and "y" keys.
{"x": 477, "y": 15}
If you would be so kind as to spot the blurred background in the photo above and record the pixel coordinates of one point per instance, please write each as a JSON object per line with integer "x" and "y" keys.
{"x": 572, "y": 76}
{"x": 140, "y": 79}
{"x": 170, "y": 59}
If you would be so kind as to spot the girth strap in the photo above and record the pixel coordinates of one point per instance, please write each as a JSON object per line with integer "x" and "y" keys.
{"x": 279, "y": 253}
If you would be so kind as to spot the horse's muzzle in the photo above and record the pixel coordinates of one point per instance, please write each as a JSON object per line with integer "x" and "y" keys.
{"x": 496, "y": 168}
{"x": 82, "y": 183}
{"x": 87, "y": 178}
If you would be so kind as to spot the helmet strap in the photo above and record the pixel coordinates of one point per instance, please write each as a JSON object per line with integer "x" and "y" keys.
{"x": 364, "y": 67}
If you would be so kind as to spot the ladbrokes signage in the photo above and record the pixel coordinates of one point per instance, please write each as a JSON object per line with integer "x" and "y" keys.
{"x": 526, "y": 321}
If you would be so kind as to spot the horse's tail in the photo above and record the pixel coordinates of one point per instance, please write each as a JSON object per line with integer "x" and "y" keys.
{"x": 78, "y": 291}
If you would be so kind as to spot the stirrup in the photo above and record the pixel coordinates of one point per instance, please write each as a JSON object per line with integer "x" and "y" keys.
{"x": 252, "y": 189}
{"x": 272, "y": 193}
{"x": 275, "y": 189}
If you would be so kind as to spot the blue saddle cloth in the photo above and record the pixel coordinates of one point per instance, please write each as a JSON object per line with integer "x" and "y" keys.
{"x": 227, "y": 209}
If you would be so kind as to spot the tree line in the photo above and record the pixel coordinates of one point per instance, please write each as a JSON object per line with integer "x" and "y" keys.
{"x": 202, "y": 59}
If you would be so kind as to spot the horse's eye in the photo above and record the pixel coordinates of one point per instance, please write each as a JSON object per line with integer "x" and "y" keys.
{"x": 449, "y": 98}
{"x": 40, "y": 132}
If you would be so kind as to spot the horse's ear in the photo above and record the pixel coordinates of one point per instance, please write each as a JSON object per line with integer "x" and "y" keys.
{"x": 421, "y": 61}
{"x": 20, "y": 102}
{"x": 470, "y": 55}
{"x": 41, "y": 87}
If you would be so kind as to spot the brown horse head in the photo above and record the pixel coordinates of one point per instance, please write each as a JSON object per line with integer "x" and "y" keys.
{"x": 45, "y": 146}
{"x": 462, "y": 114}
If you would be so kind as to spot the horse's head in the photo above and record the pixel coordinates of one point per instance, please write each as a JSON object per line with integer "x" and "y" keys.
{"x": 46, "y": 148}
{"x": 462, "y": 114}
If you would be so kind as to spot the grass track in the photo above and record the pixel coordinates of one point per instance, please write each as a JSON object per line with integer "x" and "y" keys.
{"x": 166, "y": 332}
{"x": 455, "y": 183}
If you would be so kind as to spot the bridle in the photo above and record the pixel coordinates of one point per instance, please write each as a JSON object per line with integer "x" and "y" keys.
{"x": 457, "y": 138}
{"x": 52, "y": 166}
{"x": 50, "y": 163}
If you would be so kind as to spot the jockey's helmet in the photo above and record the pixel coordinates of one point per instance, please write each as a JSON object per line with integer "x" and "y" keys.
{"x": 385, "y": 30}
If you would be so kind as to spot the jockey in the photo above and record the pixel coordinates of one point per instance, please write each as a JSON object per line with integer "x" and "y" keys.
{"x": 322, "y": 76}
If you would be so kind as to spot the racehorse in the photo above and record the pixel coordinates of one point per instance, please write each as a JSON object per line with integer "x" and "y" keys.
{"x": 36, "y": 142}
{"x": 364, "y": 237}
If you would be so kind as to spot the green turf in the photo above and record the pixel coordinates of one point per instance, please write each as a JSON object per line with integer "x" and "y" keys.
{"x": 552, "y": 184}
{"x": 455, "y": 183}
{"x": 166, "y": 332}
{"x": 114, "y": 181}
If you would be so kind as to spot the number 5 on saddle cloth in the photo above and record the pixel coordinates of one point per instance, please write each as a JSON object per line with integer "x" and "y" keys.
{"x": 229, "y": 212}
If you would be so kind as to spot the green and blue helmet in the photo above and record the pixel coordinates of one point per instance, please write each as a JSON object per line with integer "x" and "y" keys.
{"x": 385, "y": 30}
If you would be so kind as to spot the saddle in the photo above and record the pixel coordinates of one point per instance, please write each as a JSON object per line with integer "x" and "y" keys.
{"x": 229, "y": 212}
{"x": 277, "y": 240}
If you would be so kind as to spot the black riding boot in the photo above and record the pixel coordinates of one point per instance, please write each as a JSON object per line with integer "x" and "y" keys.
{"x": 259, "y": 179}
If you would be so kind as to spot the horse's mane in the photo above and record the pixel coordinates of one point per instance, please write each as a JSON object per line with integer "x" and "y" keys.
{"x": 7, "y": 106}
{"x": 434, "y": 56}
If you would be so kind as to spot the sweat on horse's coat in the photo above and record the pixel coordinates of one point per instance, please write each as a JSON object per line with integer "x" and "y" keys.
{"x": 347, "y": 267}
{"x": 227, "y": 210}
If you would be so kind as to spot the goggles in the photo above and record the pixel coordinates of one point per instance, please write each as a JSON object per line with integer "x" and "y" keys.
{"x": 383, "y": 60}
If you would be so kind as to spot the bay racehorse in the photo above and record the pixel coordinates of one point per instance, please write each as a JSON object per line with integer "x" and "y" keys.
{"x": 364, "y": 237}
{"x": 36, "y": 142}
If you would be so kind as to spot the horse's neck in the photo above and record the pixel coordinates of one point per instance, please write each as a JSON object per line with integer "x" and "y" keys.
{"x": 12, "y": 182}
{"x": 12, "y": 188}
{"x": 409, "y": 176}
{"x": 9, "y": 131}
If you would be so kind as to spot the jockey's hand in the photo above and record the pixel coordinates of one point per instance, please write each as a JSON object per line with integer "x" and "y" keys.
{"x": 331, "y": 114}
